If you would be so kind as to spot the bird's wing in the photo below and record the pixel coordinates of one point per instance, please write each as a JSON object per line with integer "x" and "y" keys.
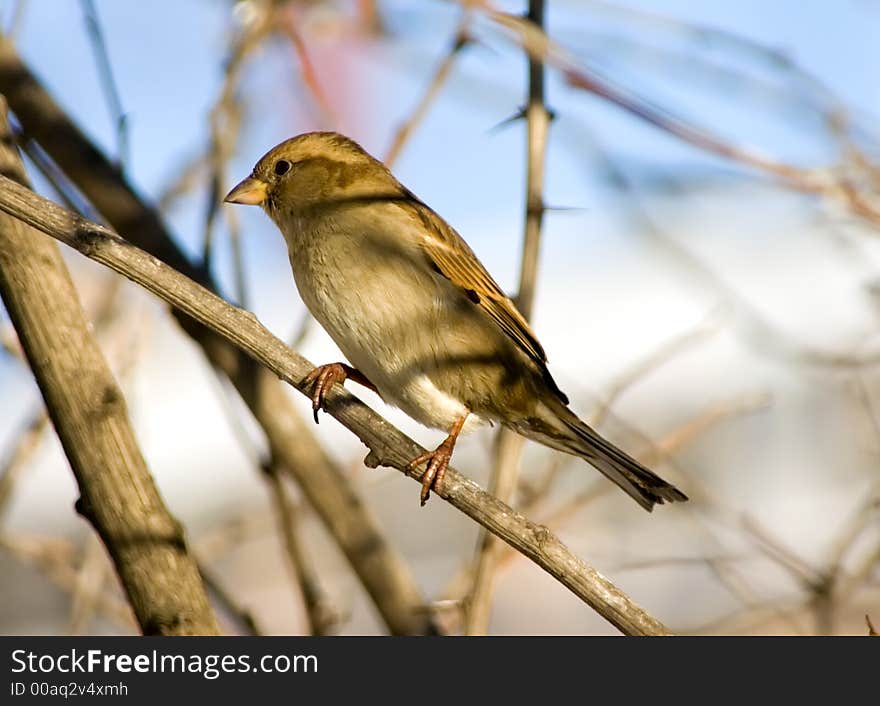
{"x": 450, "y": 256}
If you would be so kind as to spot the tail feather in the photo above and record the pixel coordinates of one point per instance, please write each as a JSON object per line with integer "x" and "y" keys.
{"x": 558, "y": 427}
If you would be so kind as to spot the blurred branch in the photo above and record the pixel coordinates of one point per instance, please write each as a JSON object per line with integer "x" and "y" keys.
{"x": 26, "y": 444}
{"x": 216, "y": 542}
{"x": 321, "y": 615}
{"x": 108, "y": 83}
{"x": 503, "y": 480}
{"x": 187, "y": 177}
{"x": 647, "y": 365}
{"x": 66, "y": 191}
{"x": 710, "y": 417}
{"x": 835, "y": 185}
{"x": 89, "y": 587}
{"x": 15, "y": 21}
{"x": 240, "y": 616}
{"x": 370, "y": 17}
{"x": 388, "y": 446}
{"x": 771, "y": 57}
{"x": 760, "y": 332}
{"x": 380, "y": 569}
{"x": 118, "y": 495}
{"x": 502, "y": 483}
{"x": 441, "y": 74}
{"x": 56, "y": 558}
{"x": 286, "y": 24}
{"x": 225, "y": 122}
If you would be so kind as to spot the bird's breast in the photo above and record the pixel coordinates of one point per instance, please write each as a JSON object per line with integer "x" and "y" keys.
{"x": 384, "y": 308}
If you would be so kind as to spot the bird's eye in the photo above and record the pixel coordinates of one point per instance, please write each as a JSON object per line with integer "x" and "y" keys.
{"x": 282, "y": 166}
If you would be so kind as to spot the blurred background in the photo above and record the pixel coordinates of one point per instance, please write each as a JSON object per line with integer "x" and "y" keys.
{"x": 708, "y": 294}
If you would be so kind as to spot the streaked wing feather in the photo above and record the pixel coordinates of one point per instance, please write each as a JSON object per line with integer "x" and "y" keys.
{"x": 451, "y": 256}
{"x": 454, "y": 259}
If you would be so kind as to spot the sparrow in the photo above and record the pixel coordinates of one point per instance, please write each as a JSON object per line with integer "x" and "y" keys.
{"x": 419, "y": 318}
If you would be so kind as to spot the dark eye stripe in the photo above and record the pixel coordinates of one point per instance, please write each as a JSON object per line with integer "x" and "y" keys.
{"x": 282, "y": 166}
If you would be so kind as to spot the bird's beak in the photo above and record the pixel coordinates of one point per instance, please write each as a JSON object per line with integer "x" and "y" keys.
{"x": 250, "y": 191}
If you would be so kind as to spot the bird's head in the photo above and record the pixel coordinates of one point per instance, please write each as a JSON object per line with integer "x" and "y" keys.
{"x": 315, "y": 170}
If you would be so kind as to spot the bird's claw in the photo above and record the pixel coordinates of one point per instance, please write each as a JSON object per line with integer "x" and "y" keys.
{"x": 438, "y": 462}
{"x": 321, "y": 379}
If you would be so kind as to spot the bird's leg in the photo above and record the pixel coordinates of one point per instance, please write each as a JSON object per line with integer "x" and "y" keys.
{"x": 322, "y": 378}
{"x": 438, "y": 460}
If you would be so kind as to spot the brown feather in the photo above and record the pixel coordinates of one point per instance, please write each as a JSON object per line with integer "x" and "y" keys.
{"x": 450, "y": 256}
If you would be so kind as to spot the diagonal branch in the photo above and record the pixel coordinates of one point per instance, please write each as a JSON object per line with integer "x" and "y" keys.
{"x": 388, "y": 446}
{"x": 438, "y": 80}
{"x": 108, "y": 82}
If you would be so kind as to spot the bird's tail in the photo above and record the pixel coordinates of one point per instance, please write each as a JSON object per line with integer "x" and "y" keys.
{"x": 556, "y": 426}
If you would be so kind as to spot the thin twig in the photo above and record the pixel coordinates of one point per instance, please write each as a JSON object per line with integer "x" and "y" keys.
{"x": 826, "y": 182}
{"x": 14, "y": 465}
{"x": 502, "y": 483}
{"x": 286, "y": 24}
{"x": 55, "y": 559}
{"x": 504, "y": 476}
{"x": 320, "y": 613}
{"x": 108, "y": 83}
{"x": 188, "y": 176}
{"x": 759, "y": 330}
{"x": 89, "y": 586}
{"x": 225, "y": 122}
{"x": 241, "y": 616}
{"x": 66, "y": 191}
{"x": 647, "y": 365}
{"x": 404, "y": 131}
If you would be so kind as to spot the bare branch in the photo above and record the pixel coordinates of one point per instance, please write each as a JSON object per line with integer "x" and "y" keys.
{"x": 89, "y": 586}
{"x": 650, "y": 363}
{"x": 108, "y": 83}
{"x": 240, "y": 616}
{"x": 506, "y": 471}
{"x": 55, "y": 559}
{"x": 826, "y": 182}
{"x": 321, "y": 614}
{"x": 459, "y": 41}
{"x": 286, "y": 24}
{"x": 15, "y": 463}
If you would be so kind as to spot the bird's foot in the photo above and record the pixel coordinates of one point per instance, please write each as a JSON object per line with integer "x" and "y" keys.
{"x": 438, "y": 461}
{"x": 322, "y": 378}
